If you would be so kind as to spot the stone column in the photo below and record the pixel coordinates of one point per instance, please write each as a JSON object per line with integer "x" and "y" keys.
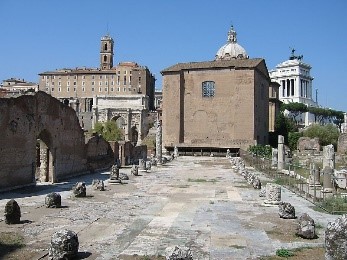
{"x": 329, "y": 156}
{"x": 327, "y": 179}
{"x": 128, "y": 125}
{"x": 158, "y": 140}
{"x": 274, "y": 157}
{"x": 139, "y": 133}
{"x": 175, "y": 152}
{"x": 314, "y": 178}
{"x": 280, "y": 160}
{"x": 273, "y": 194}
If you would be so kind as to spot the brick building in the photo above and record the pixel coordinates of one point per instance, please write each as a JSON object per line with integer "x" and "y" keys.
{"x": 78, "y": 86}
{"x": 216, "y": 105}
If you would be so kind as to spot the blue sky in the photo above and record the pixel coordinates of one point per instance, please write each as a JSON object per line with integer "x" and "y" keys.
{"x": 42, "y": 35}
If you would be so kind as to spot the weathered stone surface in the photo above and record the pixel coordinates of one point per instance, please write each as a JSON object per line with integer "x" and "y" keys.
{"x": 262, "y": 193}
{"x": 98, "y": 185}
{"x": 64, "y": 245}
{"x": 256, "y": 183}
{"x": 12, "y": 212}
{"x": 273, "y": 194}
{"x": 180, "y": 254}
{"x": 158, "y": 141}
{"x": 80, "y": 189}
{"x": 274, "y": 157}
{"x": 99, "y": 153}
{"x": 28, "y": 118}
{"x": 306, "y": 228}
{"x": 329, "y": 156}
{"x": 123, "y": 176}
{"x": 135, "y": 170}
{"x": 148, "y": 165}
{"x": 286, "y": 210}
{"x": 53, "y": 200}
{"x": 308, "y": 144}
{"x": 328, "y": 179}
{"x": 114, "y": 174}
{"x": 342, "y": 144}
{"x": 281, "y": 153}
{"x": 336, "y": 239}
{"x": 314, "y": 178}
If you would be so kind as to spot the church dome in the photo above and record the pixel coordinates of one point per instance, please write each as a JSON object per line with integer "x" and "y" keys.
{"x": 231, "y": 50}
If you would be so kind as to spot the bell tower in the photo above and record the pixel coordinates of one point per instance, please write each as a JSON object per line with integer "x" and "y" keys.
{"x": 106, "y": 53}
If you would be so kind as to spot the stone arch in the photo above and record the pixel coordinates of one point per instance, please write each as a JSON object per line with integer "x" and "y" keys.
{"x": 44, "y": 157}
{"x": 121, "y": 123}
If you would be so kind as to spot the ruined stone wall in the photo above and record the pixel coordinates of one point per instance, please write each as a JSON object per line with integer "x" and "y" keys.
{"x": 342, "y": 144}
{"x": 25, "y": 119}
{"x": 99, "y": 153}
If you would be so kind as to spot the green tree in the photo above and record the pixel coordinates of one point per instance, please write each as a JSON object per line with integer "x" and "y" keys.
{"x": 295, "y": 109}
{"x": 293, "y": 138}
{"x": 327, "y": 134}
{"x": 108, "y": 130}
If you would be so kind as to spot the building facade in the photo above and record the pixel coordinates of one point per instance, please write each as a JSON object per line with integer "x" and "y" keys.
{"x": 13, "y": 87}
{"x": 77, "y": 87}
{"x": 294, "y": 77}
{"x": 221, "y": 104}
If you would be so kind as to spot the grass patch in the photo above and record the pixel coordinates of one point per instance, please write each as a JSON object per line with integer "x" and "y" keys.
{"x": 284, "y": 252}
{"x": 9, "y": 242}
{"x": 237, "y": 246}
{"x": 202, "y": 180}
{"x": 335, "y": 205}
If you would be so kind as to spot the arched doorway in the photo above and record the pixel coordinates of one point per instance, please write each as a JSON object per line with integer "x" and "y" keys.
{"x": 44, "y": 158}
{"x": 121, "y": 124}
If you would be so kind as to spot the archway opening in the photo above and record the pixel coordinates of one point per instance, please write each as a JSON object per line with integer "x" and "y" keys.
{"x": 44, "y": 158}
{"x": 121, "y": 124}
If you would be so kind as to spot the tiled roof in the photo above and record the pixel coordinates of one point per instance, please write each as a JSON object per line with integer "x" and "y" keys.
{"x": 236, "y": 63}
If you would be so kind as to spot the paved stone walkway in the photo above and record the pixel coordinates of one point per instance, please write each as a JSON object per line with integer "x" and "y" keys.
{"x": 197, "y": 202}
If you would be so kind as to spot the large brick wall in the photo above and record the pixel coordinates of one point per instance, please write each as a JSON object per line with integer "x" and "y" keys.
{"x": 25, "y": 119}
{"x": 235, "y": 117}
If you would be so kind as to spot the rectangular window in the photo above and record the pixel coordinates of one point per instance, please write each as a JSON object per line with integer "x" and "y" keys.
{"x": 74, "y": 83}
{"x": 125, "y": 80}
{"x": 118, "y": 89}
{"x": 83, "y": 77}
{"x": 59, "y": 89}
{"x": 111, "y": 89}
{"x": 83, "y": 83}
{"x": 125, "y": 72}
{"x": 124, "y": 89}
{"x": 106, "y": 89}
{"x": 139, "y": 80}
{"x": 52, "y": 89}
{"x": 83, "y": 89}
{"x": 112, "y": 83}
{"x": 75, "y": 77}
{"x": 74, "y": 89}
{"x": 118, "y": 80}
{"x": 100, "y": 83}
{"x": 68, "y": 89}
{"x": 93, "y": 83}
{"x": 59, "y": 83}
{"x": 100, "y": 77}
{"x": 52, "y": 83}
{"x": 208, "y": 89}
{"x": 100, "y": 89}
{"x": 106, "y": 83}
{"x": 68, "y": 83}
{"x": 93, "y": 77}
{"x": 93, "y": 89}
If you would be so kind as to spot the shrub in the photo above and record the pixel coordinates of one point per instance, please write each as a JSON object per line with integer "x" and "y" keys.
{"x": 327, "y": 134}
{"x": 261, "y": 150}
{"x": 293, "y": 138}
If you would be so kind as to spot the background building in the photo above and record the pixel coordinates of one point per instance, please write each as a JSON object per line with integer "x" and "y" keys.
{"x": 77, "y": 87}
{"x": 13, "y": 87}
{"x": 295, "y": 81}
{"x": 215, "y": 105}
